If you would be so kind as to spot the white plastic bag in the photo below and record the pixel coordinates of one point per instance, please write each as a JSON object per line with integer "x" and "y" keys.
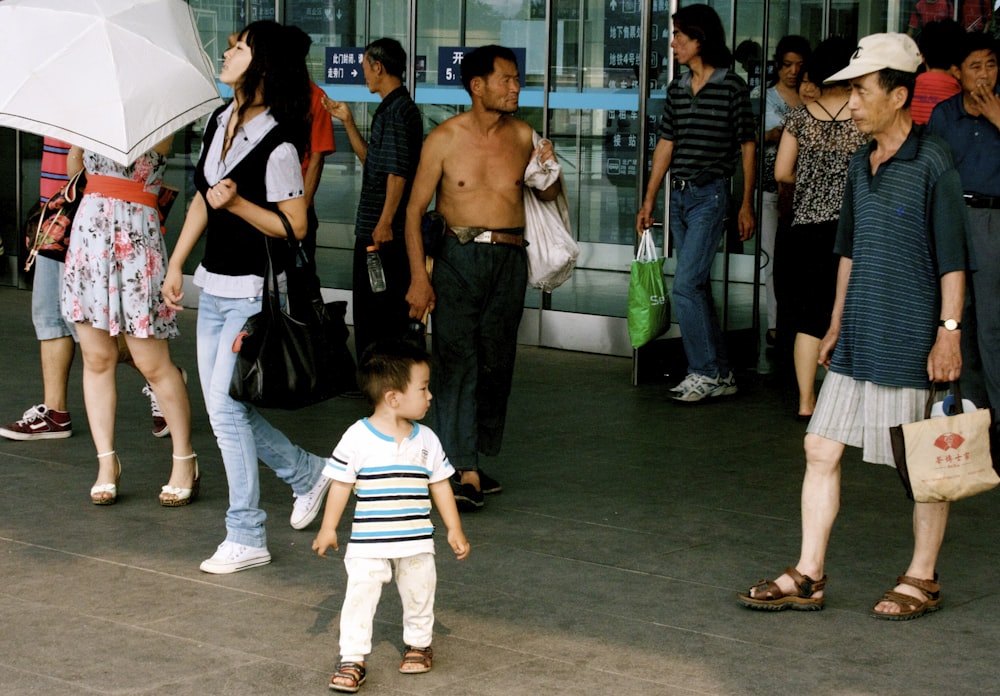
{"x": 552, "y": 251}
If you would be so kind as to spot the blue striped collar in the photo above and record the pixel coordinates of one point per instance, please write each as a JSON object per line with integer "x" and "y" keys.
{"x": 382, "y": 436}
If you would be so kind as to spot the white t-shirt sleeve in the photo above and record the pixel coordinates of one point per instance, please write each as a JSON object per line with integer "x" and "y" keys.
{"x": 284, "y": 174}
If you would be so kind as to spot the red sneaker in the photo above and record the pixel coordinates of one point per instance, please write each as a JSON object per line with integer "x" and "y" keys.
{"x": 40, "y": 423}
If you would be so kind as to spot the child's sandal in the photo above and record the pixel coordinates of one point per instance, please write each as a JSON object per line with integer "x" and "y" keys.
{"x": 352, "y": 676}
{"x": 416, "y": 660}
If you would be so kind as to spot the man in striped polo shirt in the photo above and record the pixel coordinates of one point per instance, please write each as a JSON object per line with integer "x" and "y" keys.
{"x": 895, "y": 324}
{"x": 706, "y": 128}
{"x": 390, "y": 158}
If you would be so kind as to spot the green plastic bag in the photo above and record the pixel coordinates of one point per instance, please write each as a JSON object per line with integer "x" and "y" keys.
{"x": 648, "y": 307}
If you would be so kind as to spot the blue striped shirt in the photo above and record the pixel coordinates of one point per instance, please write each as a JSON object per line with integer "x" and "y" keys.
{"x": 392, "y": 516}
{"x": 393, "y": 148}
{"x": 903, "y": 227}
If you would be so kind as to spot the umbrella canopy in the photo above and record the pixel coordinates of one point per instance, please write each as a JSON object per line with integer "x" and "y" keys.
{"x": 112, "y": 76}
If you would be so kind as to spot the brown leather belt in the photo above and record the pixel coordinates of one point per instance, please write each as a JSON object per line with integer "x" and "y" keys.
{"x": 512, "y": 236}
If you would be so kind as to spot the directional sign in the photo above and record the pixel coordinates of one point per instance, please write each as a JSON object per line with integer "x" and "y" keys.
{"x": 450, "y": 63}
{"x": 343, "y": 65}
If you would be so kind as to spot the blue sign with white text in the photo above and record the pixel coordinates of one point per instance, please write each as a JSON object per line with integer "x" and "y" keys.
{"x": 450, "y": 63}
{"x": 343, "y": 65}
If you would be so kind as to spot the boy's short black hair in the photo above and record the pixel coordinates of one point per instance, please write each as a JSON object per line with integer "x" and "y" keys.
{"x": 386, "y": 366}
{"x": 940, "y": 43}
{"x": 480, "y": 62}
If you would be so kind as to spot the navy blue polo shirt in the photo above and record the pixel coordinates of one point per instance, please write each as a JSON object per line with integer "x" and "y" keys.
{"x": 903, "y": 227}
{"x": 393, "y": 148}
{"x": 974, "y": 143}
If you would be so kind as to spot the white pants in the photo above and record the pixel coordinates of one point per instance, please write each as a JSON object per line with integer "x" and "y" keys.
{"x": 416, "y": 578}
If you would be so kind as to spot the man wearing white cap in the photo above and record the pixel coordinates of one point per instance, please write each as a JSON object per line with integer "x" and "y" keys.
{"x": 895, "y": 325}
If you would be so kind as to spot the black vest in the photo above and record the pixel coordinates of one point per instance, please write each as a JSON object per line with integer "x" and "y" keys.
{"x": 234, "y": 247}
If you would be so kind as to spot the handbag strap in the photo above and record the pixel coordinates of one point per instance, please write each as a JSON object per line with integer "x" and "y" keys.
{"x": 69, "y": 192}
{"x": 937, "y": 387}
{"x": 273, "y": 303}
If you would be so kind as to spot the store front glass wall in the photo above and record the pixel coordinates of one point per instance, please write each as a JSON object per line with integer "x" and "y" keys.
{"x": 588, "y": 53}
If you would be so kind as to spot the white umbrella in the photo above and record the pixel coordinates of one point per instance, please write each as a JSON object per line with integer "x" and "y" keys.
{"x": 112, "y": 76}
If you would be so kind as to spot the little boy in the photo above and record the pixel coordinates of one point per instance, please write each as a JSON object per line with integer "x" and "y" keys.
{"x": 395, "y": 467}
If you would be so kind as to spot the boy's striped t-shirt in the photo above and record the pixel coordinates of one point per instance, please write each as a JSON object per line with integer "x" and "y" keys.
{"x": 392, "y": 515}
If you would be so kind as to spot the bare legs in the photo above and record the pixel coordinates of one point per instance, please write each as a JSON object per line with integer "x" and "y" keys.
{"x": 152, "y": 358}
{"x": 820, "y": 505}
{"x": 57, "y": 358}
{"x": 929, "y": 523}
{"x": 806, "y": 359}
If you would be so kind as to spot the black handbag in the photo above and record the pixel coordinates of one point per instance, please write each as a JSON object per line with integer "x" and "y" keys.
{"x": 296, "y": 356}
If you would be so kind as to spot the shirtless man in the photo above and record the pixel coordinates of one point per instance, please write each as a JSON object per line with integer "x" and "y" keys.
{"x": 474, "y": 162}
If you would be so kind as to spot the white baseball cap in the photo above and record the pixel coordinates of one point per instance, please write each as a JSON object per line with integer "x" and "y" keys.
{"x": 880, "y": 51}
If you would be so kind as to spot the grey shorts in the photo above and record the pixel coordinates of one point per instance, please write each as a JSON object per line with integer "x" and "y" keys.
{"x": 46, "y": 290}
{"x": 859, "y": 414}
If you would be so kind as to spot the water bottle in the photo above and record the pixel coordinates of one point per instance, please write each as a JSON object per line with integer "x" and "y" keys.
{"x": 376, "y": 276}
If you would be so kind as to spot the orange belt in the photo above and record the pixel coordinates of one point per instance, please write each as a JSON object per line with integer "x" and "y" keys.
{"x": 121, "y": 189}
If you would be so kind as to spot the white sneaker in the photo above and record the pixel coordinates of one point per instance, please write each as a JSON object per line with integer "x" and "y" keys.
{"x": 727, "y": 385}
{"x": 685, "y": 383}
{"x": 306, "y": 507}
{"x": 231, "y": 557}
{"x": 704, "y": 387}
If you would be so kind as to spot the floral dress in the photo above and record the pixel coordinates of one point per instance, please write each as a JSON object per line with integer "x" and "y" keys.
{"x": 117, "y": 257}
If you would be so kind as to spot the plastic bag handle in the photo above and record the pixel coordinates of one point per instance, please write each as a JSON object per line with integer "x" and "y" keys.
{"x": 646, "y": 251}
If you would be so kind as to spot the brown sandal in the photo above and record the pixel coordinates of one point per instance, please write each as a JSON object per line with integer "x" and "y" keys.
{"x": 351, "y": 672}
{"x": 769, "y": 597}
{"x": 416, "y": 660}
{"x": 910, "y": 607}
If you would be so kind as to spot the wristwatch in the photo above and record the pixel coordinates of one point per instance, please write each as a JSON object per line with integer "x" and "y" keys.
{"x": 950, "y": 324}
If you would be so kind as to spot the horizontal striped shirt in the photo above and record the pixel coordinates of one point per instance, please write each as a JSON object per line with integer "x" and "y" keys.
{"x": 54, "y": 177}
{"x": 707, "y": 128}
{"x": 392, "y": 516}
{"x": 393, "y": 148}
{"x": 903, "y": 228}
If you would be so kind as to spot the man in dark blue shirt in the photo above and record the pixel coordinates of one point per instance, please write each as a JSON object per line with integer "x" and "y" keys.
{"x": 901, "y": 239}
{"x": 970, "y": 123}
{"x": 390, "y": 158}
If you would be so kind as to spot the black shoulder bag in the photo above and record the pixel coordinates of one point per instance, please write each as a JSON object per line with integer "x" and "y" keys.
{"x": 296, "y": 356}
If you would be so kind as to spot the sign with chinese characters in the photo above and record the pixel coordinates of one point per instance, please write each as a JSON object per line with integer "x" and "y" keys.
{"x": 622, "y": 60}
{"x": 450, "y": 63}
{"x": 343, "y": 66}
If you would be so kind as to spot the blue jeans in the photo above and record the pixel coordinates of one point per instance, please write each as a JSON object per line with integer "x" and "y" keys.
{"x": 696, "y": 223}
{"x": 242, "y": 433}
{"x": 46, "y": 291}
